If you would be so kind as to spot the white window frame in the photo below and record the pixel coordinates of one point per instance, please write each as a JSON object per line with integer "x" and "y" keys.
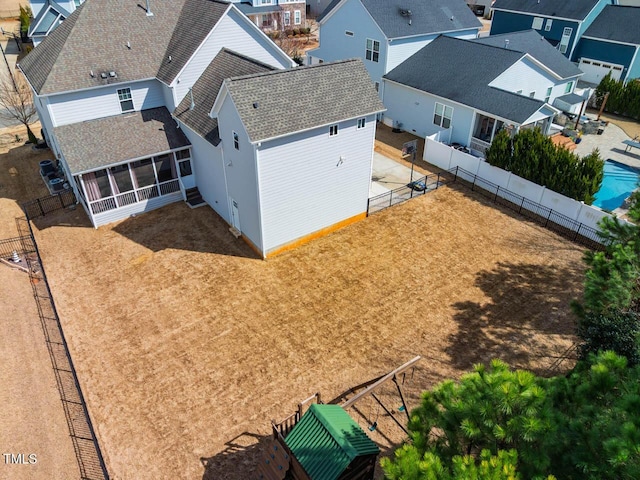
{"x": 548, "y": 96}
{"x": 568, "y": 88}
{"x": 536, "y": 24}
{"x": 444, "y": 118}
{"x": 566, "y": 38}
{"x": 125, "y": 96}
{"x": 333, "y": 130}
{"x": 362, "y": 122}
{"x": 287, "y": 18}
{"x": 548, "y": 25}
{"x": 371, "y": 52}
{"x": 297, "y": 17}
{"x": 236, "y": 140}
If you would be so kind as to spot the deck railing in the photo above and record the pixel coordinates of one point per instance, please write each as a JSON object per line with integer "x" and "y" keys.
{"x": 135, "y": 196}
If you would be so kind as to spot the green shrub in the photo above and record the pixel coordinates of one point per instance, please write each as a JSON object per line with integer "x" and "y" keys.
{"x": 623, "y": 99}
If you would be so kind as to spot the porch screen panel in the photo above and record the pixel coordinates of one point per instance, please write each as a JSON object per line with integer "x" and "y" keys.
{"x": 165, "y": 167}
{"x": 122, "y": 178}
{"x": 142, "y": 171}
{"x": 102, "y": 180}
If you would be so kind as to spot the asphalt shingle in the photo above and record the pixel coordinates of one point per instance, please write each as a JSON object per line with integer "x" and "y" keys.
{"x": 531, "y": 42}
{"x": 332, "y": 92}
{"x": 226, "y": 64}
{"x": 427, "y": 16}
{"x": 571, "y": 9}
{"x": 461, "y": 71}
{"x": 618, "y": 24}
{"x": 97, "y": 143}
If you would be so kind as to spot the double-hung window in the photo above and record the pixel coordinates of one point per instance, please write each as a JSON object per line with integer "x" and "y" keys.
{"x": 297, "y": 18}
{"x": 126, "y": 100}
{"x": 537, "y": 23}
{"x": 373, "y": 50}
{"x": 564, "y": 41}
{"x": 287, "y": 18}
{"x": 442, "y": 115}
{"x": 548, "y": 95}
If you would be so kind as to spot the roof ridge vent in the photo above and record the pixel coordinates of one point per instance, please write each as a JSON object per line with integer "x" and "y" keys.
{"x": 506, "y": 43}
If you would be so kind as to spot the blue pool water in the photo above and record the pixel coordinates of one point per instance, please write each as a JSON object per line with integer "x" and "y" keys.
{"x": 618, "y": 183}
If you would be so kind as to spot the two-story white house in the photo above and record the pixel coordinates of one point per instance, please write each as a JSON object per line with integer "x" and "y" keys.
{"x": 107, "y": 107}
{"x": 466, "y": 91}
{"x": 384, "y": 33}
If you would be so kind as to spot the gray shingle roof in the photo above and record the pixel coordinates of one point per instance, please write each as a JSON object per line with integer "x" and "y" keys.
{"x": 196, "y": 20}
{"x": 464, "y": 71}
{"x": 617, "y": 23}
{"x": 227, "y": 64}
{"x": 64, "y": 60}
{"x": 427, "y": 16}
{"x": 531, "y": 42}
{"x": 333, "y": 92}
{"x": 106, "y": 141}
{"x": 572, "y": 9}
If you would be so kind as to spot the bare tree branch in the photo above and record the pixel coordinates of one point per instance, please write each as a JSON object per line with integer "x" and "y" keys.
{"x": 16, "y": 101}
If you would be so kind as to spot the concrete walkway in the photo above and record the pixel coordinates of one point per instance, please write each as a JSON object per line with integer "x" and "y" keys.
{"x": 610, "y": 146}
{"x": 389, "y": 175}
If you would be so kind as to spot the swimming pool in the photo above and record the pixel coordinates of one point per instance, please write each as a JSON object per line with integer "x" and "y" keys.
{"x": 618, "y": 183}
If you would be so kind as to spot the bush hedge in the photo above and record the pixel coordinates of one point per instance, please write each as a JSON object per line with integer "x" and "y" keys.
{"x": 623, "y": 99}
{"x": 533, "y": 156}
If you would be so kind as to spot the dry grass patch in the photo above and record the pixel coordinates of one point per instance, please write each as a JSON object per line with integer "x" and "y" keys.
{"x": 184, "y": 340}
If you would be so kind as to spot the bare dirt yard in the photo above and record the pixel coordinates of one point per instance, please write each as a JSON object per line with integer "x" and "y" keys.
{"x": 33, "y": 420}
{"x": 187, "y": 345}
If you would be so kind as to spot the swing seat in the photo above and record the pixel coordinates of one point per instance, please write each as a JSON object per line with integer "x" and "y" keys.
{"x": 373, "y": 426}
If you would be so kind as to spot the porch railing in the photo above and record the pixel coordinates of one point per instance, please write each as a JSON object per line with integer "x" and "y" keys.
{"x": 135, "y": 196}
{"x": 479, "y": 145}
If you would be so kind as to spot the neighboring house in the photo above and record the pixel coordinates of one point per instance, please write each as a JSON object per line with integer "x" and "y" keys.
{"x": 47, "y": 15}
{"x": 274, "y": 14}
{"x": 611, "y": 44}
{"x": 108, "y": 111}
{"x": 282, "y": 168}
{"x": 316, "y": 7}
{"x": 562, "y": 23}
{"x": 384, "y": 33}
{"x": 465, "y": 92}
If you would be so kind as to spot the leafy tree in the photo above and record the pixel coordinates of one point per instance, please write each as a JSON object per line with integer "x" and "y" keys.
{"x": 492, "y": 409}
{"x": 532, "y": 155}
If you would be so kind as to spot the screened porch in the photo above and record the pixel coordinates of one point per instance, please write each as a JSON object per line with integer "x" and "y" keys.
{"x": 134, "y": 182}
{"x": 486, "y": 128}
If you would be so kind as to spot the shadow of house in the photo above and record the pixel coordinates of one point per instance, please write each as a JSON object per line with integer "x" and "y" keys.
{"x": 490, "y": 330}
{"x": 176, "y": 226}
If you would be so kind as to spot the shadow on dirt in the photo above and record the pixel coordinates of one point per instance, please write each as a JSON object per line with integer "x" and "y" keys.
{"x": 496, "y": 329}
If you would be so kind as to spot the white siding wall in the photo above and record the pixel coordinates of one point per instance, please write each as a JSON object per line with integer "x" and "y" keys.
{"x": 240, "y": 169}
{"x": 208, "y": 168}
{"x": 103, "y": 102}
{"x": 167, "y": 94}
{"x": 303, "y": 185}
{"x": 528, "y": 77}
{"x": 233, "y": 33}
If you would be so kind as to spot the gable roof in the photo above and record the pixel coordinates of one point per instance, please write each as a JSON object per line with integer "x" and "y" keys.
{"x": 427, "y": 16}
{"x": 196, "y": 20}
{"x": 531, "y": 42}
{"x": 572, "y": 9}
{"x": 225, "y": 65}
{"x": 134, "y": 45}
{"x": 616, "y": 23}
{"x": 461, "y": 71}
{"x": 106, "y": 141}
{"x": 326, "y": 440}
{"x": 333, "y": 92}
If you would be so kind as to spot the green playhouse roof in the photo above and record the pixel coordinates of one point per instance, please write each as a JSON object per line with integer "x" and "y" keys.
{"x": 326, "y": 440}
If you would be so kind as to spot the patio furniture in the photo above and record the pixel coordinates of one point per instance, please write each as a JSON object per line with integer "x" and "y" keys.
{"x": 631, "y": 144}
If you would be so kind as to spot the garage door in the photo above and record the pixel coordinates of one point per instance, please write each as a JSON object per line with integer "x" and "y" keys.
{"x": 594, "y": 70}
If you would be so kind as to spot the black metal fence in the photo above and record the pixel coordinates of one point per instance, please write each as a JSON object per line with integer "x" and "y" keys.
{"x": 85, "y": 444}
{"x": 544, "y": 216}
{"x": 20, "y": 245}
{"x": 45, "y": 205}
{"x": 420, "y": 186}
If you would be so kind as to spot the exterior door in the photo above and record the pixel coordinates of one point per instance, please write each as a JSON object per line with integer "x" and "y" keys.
{"x": 235, "y": 214}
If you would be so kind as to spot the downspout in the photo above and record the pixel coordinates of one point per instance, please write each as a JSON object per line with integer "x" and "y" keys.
{"x": 260, "y": 222}
{"x": 226, "y": 187}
